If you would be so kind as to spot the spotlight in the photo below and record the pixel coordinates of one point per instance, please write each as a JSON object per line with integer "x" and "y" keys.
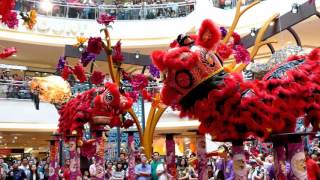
{"x": 253, "y": 32}
{"x": 137, "y": 55}
{"x": 46, "y": 5}
{"x": 16, "y": 137}
{"x": 295, "y": 8}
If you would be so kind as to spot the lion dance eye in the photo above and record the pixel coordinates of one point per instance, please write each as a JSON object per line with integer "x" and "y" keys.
{"x": 108, "y": 97}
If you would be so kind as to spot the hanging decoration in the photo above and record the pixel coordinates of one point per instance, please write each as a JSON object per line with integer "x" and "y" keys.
{"x": 7, "y": 52}
{"x": 52, "y": 89}
{"x": 101, "y": 105}
{"x": 29, "y": 19}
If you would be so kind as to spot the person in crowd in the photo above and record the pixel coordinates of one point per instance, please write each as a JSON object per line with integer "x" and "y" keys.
{"x": 33, "y": 173}
{"x": 25, "y": 167}
{"x": 46, "y": 170}
{"x": 256, "y": 171}
{"x": 193, "y": 174}
{"x": 86, "y": 175}
{"x": 182, "y": 169}
{"x": 92, "y": 168}
{"x": 123, "y": 160}
{"x": 210, "y": 172}
{"x": 109, "y": 170}
{"x": 4, "y": 165}
{"x": 118, "y": 173}
{"x": 64, "y": 172}
{"x": 313, "y": 171}
{"x": 3, "y": 173}
{"x": 16, "y": 173}
{"x": 143, "y": 170}
{"x": 154, "y": 165}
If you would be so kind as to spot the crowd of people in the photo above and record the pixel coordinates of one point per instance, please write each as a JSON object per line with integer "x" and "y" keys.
{"x": 258, "y": 167}
{"x": 123, "y": 10}
{"x": 27, "y": 169}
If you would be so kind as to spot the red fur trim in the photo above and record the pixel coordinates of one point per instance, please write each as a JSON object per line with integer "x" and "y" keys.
{"x": 294, "y": 57}
{"x": 180, "y": 58}
{"x": 157, "y": 59}
{"x": 208, "y": 26}
{"x": 314, "y": 54}
{"x": 174, "y": 44}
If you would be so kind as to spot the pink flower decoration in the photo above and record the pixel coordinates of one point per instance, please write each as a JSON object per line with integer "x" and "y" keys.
{"x": 105, "y": 19}
{"x": 117, "y": 56}
{"x": 11, "y": 20}
{"x": 139, "y": 82}
{"x": 94, "y": 45}
{"x": 241, "y": 54}
{"x": 7, "y": 52}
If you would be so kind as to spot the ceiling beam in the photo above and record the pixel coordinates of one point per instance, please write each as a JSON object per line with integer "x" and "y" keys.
{"x": 285, "y": 22}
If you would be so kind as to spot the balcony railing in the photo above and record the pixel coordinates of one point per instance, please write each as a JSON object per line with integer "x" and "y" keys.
{"x": 11, "y": 89}
{"x": 122, "y": 12}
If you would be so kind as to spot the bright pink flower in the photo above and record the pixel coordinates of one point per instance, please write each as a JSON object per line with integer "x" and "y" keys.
{"x": 105, "y": 19}
{"x": 241, "y": 54}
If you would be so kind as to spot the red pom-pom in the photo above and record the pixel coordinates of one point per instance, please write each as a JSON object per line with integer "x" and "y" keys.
{"x": 80, "y": 73}
{"x": 209, "y": 35}
{"x": 97, "y": 77}
{"x": 224, "y": 51}
{"x": 94, "y": 45}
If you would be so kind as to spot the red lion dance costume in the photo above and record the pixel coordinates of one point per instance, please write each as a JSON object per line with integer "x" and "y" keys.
{"x": 98, "y": 106}
{"x": 228, "y": 107}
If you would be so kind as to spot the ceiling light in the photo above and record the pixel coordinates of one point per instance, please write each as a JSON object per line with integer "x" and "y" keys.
{"x": 295, "y": 7}
{"x": 46, "y": 5}
{"x": 253, "y": 32}
{"x": 33, "y": 138}
{"x": 16, "y": 137}
{"x": 13, "y": 141}
{"x": 137, "y": 55}
{"x": 5, "y": 144}
{"x": 14, "y": 55}
{"x": 1, "y": 137}
{"x": 6, "y": 147}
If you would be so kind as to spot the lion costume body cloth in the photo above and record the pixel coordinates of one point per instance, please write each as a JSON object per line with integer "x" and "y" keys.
{"x": 227, "y": 106}
{"x": 97, "y": 106}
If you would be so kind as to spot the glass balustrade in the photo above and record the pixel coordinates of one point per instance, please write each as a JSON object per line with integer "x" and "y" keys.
{"x": 122, "y": 12}
{"x": 21, "y": 89}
